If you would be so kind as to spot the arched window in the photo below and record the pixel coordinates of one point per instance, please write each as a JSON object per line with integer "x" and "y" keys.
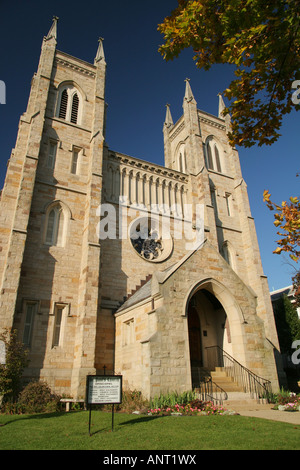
{"x": 55, "y": 225}
{"x": 210, "y": 164}
{"x": 69, "y": 104}
{"x": 181, "y": 159}
{"x": 213, "y": 159}
{"x": 148, "y": 239}
{"x": 228, "y": 254}
{"x": 217, "y": 158}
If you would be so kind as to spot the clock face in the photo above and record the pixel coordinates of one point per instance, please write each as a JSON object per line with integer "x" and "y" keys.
{"x": 146, "y": 240}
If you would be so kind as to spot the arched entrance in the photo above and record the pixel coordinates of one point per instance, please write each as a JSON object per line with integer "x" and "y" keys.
{"x": 221, "y": 324}
{"x": 208, "y": 327}
{"x": 195, "y": 343}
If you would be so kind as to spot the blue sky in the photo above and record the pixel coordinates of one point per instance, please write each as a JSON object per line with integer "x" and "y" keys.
{"x": 139, "y": 84}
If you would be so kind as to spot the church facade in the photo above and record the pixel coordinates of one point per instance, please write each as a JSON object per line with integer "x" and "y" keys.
{"x": 111, "y": 262}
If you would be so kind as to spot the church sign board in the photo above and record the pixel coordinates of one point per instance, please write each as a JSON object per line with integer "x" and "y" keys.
{"x": 103, "y": 390}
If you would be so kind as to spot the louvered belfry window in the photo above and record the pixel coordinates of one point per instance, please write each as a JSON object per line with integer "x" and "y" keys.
{"x": 74, "y": 110}
{"x": 63, "y": 105}
{"x": 69, "y": 105}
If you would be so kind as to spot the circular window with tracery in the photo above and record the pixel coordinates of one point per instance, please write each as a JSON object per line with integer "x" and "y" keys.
{"x": 146, "y": 239}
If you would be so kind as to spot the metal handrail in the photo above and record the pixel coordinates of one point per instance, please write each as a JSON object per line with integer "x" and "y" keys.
{"x": 207, "y": 389}
{"x": 252, "y": 383}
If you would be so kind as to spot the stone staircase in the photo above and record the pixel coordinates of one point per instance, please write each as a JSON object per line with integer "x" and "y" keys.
{"x": 220, "y": 378}
{"x": 237, "y": 399}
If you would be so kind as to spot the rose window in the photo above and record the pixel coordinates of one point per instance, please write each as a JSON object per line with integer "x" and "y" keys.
{"x": 146, "y": 240}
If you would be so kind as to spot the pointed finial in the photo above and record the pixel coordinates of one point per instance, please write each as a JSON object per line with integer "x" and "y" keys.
{"x": 221, "y": 106}
{"x": 100, "y": 52}
{"x": 168, "y": 120}
{"x": 188, "y": 91}
{"x": 227, "y": 117}
{"x": 53, "y": 30}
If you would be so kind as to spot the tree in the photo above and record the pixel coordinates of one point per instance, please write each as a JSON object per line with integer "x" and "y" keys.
{"x": 287, "y": 323}
{"x": 261, "y": 38}
{"x": 287, "y": 219}
{"x": 16, "y": 361}
{"x": 296, "y": 286}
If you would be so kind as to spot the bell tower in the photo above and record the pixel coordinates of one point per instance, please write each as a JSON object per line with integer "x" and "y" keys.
{"x": 197, "y": 144}
{"x": 17, "y": 193}
{"x": 50, "y": 251}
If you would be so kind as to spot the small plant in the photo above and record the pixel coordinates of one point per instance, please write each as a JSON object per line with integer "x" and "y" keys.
{"x": 132, "y": 400}
{"x": 291, "y": 406}
{"x": 285, "y": 397}
{"x": 212, "y": 409}
{"x": 287, "y": 401}
{"x": 172, "y": 399}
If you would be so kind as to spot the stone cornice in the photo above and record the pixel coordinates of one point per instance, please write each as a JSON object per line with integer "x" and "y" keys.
{"x": 75, "y": 64}
{"x": 147, "y": 166}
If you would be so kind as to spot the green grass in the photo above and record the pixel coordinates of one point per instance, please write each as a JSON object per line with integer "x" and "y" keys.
{"x": 69, "y": 431}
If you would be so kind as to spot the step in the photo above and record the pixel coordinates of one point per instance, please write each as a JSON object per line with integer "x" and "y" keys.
{"x": 220, "y": 378}
{"x": 239, "y": 396}
{"x": 251, "y": 405}
{"x": 225, "y": 382}
{"x": 218, "y": 373}
{"x": 239, "y": 401}
{"x": 226, "y": 387}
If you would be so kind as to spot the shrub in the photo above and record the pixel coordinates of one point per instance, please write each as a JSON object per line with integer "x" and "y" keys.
{"x": 11, "y": 372}
{"x": 132, "y": 400}
{"x": 285, "y": 397}
{"x": 38, "y": 398}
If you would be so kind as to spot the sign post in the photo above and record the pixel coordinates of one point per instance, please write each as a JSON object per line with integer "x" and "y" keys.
{"x": 103, "y": 390}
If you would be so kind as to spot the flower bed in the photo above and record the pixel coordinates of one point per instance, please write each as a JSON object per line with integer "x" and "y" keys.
{"x": 194, "y": 408}
{"x": 289, "y": 407}
{"x": 288, "y": 401}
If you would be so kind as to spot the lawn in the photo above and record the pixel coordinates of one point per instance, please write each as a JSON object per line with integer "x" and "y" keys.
{"x": 69, "y": 431}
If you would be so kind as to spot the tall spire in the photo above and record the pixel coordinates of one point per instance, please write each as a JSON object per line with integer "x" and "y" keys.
{"x": 168, "y": 120}
{"x": 188, "y": 91}
{"x": 53, "y": 30}
{"x": 100, "y": 52}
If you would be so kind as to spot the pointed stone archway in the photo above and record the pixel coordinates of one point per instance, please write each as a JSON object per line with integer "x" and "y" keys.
{"x": 214, "y": 319}
{"x": 195, "y": 333}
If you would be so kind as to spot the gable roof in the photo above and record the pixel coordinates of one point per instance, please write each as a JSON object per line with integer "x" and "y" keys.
{"x": 145, "y": 291}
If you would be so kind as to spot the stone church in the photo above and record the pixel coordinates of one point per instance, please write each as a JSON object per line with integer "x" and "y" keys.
{"x": 111, "y": 262}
